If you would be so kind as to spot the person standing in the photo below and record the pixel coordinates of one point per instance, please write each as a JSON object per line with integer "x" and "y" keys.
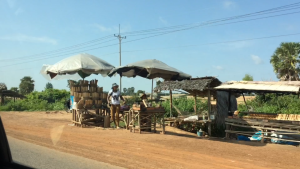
{"x": 113, "y": 98}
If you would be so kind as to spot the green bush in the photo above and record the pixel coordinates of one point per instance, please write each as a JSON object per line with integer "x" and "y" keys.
{"x": 271, "y": 103}
{"x": 185, "y": 105}
{"x": 50, "y": 99}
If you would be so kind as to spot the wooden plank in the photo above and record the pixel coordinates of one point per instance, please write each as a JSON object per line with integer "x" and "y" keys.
{"x": 253, "y": 132}
{"x": 245, "y": 102}
{"x": 171, "y": 103}
{"x": 259, "y": 127}
{"x": 195, "y": 104}
{"x": 178, "y": 111}
{"x": 255, "y": 122}
{"x": 144, "y": 101}
{"x": 242, "y": 133}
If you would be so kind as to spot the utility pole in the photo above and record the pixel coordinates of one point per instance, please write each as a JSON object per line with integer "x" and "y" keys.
{"x": 120, "y": 39}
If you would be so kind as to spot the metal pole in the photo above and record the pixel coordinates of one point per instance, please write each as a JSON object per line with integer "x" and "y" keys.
{"x": 120, "y": 58}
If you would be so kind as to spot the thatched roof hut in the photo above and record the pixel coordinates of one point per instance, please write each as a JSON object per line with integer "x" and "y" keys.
{"x": 9, "y": 93}
{"x": 195, "y": 86}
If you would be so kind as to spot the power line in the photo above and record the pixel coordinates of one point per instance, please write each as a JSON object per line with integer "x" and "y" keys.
{"x": 212, "y": 43}
{"x": 232, "y": 17}
{"x": 155, "y": 31}
{"x": 150, "y": 37}
{"x": 58, "y": 50}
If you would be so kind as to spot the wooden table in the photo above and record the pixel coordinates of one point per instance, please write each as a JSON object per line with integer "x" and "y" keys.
{"x": 133, "y": 116}
{"x": 79, "y": 117}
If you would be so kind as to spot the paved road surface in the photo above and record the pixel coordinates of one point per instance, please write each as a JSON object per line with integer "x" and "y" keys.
{"x": 44, "y": 158}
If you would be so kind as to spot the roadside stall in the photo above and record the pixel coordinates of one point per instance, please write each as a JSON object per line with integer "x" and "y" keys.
{"x": 87, "y": 98}
{"x": 197, "y": 87}
{"x": 274, "y": 127}
{"x": 144, "y": 113}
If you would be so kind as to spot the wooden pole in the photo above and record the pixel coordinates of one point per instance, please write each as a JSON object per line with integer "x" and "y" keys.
{"x": 209, "y": 103}
{"x": 245, "y": 102}
{"x": 171, "y": 102}
{"x": 152, "y": 90}
{"x": 209, "y": 111}
{"x": 195, "y": 101}
{"x": 229, "y": 102}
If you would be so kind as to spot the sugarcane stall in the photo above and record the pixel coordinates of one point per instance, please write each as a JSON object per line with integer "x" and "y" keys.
{"x": 88, "y": 103}
{"x": 197, "y": 87}
{"x": 144, "y": 116}
{"x": 267, "y": 127}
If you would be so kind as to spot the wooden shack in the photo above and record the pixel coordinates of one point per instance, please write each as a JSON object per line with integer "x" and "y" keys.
{"x": 11, "y": 94}
{"x": 197, "y": 87}
{"x": 260, "y": 121}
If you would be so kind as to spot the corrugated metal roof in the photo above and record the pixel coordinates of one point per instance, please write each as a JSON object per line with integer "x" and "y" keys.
{"x": 287, "y": 86}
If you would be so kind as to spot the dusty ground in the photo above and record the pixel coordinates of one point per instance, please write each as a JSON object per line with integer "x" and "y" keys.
{"x": 149, "y": 150}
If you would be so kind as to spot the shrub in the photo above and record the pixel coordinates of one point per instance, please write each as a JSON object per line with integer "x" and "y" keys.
{"x": 50, "y": 99}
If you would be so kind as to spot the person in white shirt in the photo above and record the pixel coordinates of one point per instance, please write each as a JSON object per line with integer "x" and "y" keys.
{"x": 113, "y": 98}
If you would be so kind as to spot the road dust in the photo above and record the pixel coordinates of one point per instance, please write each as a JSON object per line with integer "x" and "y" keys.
{"x": 55, "y": 134}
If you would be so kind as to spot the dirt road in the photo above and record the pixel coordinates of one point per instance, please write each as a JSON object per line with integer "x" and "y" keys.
{"x": 132, "y": 150}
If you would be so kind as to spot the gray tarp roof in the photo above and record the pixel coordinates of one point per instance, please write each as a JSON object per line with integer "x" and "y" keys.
{"x": 81, "y": 63}
{"x": 150, "y": 69}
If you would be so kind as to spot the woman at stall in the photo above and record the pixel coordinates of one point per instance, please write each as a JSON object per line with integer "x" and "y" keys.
{"x": 113, "y": 98}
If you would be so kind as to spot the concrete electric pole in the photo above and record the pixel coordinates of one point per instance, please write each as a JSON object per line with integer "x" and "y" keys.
{"x": 120, "y": 39}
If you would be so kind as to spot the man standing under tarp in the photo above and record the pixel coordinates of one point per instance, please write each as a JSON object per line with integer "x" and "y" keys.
{"x": 113, "y": 98}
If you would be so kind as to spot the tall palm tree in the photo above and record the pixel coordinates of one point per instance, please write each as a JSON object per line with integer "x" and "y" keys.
{"x": 27, "y": 85}
{"x": 286, "y": 61}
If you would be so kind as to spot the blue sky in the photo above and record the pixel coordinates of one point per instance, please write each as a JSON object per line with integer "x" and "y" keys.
{"x": 33, "y": 27}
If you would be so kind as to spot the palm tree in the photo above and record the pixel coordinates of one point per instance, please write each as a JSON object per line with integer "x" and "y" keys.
{"x": 285, "y": 61}
{"x": 27, "y": 85}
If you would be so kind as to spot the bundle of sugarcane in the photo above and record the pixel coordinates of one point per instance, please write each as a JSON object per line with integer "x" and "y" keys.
{"x": 86, "y": 95}
{"x": 77, "y": 96}
{"x": 80, "y": 104}
{"x": 100, "y": 89}
{"x": 98, "y": 103}
{"x": 88, "y": 103}
{"x": 94, "y": 82}
{"x": 71, "y": 83}
{"x": 93, "y": 89}
{"x": 95, "y": 96}
{"x": 84, "y": 88}
{"x": 104, "y": 96}
{"x": 75, "y": 89}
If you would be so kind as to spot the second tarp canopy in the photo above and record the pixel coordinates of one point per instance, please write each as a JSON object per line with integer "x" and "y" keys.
{"x": 82, "y": 64}
{"x": 150, "y": 69}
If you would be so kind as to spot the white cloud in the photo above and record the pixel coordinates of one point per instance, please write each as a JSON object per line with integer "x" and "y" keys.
{"x": 18, "y": 11}
{"x": 114, "y": 29}
{"x": 291, "y": 27}
{"x": 14, "y": 7}
{"x": 11, "y": 3}
{"x": 218, "y": 67}
{"x": 235, "y": 45}
{"x": 102, "y": 28}
{"x": 257, "y": 60}
{"x": 25, "y": 38}
{"x": 228, "y": 4}
{"x": 162, "y": 20}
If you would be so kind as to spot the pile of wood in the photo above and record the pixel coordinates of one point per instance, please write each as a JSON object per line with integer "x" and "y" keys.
{"x": 91, "y": 119}
{"x": 270, "y": 116}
